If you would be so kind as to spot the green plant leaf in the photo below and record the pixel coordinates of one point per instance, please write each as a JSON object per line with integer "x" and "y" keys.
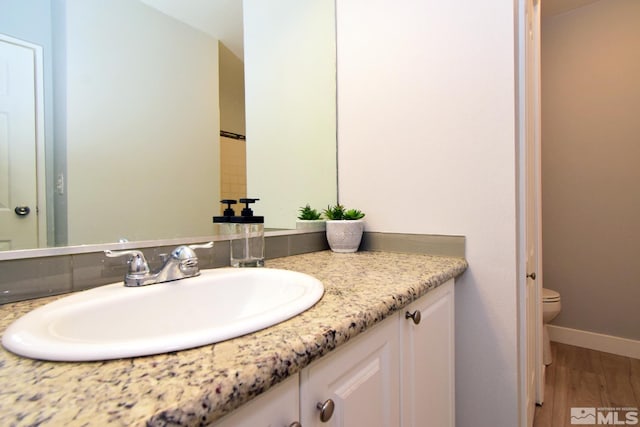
{"x": 338, "y": 212}
{"x": 334, "y": 212}
{"x": 353, "y": 214}
{"x": 309, "y": 214}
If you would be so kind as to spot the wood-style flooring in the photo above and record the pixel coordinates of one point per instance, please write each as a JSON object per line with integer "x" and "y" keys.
{"x": 580, "y": 377}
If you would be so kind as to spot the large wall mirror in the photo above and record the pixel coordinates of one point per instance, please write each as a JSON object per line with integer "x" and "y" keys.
{"x": 127, "y": 103}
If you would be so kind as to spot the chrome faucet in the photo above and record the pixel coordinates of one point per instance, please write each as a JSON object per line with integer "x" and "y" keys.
{"x": 180, "y": 264}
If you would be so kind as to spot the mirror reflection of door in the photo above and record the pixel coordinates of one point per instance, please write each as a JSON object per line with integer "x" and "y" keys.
{"x": 18, "y": 151}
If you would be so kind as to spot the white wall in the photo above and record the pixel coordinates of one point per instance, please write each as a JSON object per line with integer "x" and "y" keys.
{"x": 153, "y": 126}
{"x": 291, "y": 106}
{"x": 426, "y": 121}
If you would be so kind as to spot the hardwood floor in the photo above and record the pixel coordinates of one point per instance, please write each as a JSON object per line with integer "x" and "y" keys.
{"x": 579, "y": 377}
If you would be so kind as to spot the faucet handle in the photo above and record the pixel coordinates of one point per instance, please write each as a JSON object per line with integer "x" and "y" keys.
{"x": 202, "y": 245}
{"x": 187, "y": 251}
{"x": 186, "y": 257}
{"x": 137, "y": 262}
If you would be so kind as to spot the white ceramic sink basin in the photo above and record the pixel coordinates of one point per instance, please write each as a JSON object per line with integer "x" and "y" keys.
{"x": 115, "y": 321}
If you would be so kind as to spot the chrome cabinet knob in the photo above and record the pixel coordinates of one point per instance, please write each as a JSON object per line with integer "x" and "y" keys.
{"x": 295, "y": 424}
{"x": 416, "y": 316}
{"x": 532, "y": 275}
{"x": 326, "y": 410}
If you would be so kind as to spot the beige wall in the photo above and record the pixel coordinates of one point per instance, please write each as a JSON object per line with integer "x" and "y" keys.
{"x": 233, "y": 152}
{"x": 138, "y": 146}
{"x": 591, "y": 165}
{"x": 290, "y": 77}
{"x": 232, "y": 109}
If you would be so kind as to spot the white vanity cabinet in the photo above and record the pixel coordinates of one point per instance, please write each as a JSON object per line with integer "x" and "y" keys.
{"x": 277, "y": 407}
{"x": 360, "y": 379}
{"x": 398, "y": 373}
{"x": 428, "y": 360}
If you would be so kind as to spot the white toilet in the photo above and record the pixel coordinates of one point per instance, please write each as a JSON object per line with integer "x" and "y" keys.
{"x": 550, "y": 309}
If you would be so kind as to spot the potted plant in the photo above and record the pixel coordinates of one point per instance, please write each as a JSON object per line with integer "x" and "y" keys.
{"x": 310, "y": 219}
{"x": 344, "y": 228}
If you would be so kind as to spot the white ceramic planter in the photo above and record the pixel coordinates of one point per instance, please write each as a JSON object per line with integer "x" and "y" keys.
{"x": 311, "y": 224}
{"x": 344, "y": 236}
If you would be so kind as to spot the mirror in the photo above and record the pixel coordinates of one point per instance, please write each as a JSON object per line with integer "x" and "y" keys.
{"x": 134, "y": 101}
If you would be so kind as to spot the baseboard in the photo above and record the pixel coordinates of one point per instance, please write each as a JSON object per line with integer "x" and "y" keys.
{"x": 595, "y": 341}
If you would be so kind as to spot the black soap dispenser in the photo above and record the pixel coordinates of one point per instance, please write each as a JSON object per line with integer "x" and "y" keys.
{"x": 228, "y": 212}
{"x": 247, "y": 234}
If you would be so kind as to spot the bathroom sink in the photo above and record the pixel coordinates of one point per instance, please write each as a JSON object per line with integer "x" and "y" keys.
{"x": 115, "y": 321}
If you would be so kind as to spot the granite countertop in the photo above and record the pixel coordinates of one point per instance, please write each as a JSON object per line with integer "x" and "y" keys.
{"x": 195, "y": 387}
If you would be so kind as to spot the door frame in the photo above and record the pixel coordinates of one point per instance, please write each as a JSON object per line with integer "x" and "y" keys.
{"x": 528, "y": 101}
{"x": 41, "y": 194}
{"x": 537, "y": 104}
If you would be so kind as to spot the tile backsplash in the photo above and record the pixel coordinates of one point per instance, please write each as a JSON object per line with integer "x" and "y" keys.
{"x": 28, "y": 278}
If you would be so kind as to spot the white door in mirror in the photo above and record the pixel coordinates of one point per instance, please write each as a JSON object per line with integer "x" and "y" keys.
{"x": 115, "y": 321}
{"x": 18, "y": 195}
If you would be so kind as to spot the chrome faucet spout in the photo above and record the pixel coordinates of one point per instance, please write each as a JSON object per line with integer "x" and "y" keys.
{"x": 182, "y": 263}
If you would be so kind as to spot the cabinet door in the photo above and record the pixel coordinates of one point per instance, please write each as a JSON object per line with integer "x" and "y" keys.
{"x": 361, "y": 378}
{"x": 428, "y": 361}
{"x": 278, "y": 407}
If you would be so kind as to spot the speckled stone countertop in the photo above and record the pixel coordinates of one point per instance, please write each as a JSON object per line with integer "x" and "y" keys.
{"x": 195, "y": 387}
